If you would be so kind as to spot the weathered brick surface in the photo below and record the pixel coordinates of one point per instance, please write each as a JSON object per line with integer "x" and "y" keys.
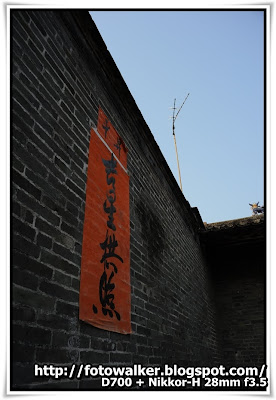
{"x": 62, "y": 71}
{"x": 239, "y": 282}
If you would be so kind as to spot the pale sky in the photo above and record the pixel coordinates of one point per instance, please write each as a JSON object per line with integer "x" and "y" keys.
{"x": 217, "y": 57}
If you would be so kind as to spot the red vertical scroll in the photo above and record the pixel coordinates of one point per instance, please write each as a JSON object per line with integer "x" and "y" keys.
{"x": 105, "y": 266}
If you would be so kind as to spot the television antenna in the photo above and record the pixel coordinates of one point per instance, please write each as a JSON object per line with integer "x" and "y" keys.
{"x": 173, "y": 131}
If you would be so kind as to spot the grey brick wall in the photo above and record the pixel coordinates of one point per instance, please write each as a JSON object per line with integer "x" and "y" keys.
{"x": 239, "y": 281}
{"x": 61, "y": 73}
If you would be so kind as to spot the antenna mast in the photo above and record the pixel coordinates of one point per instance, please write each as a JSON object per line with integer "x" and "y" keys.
{"x": 173, "y": 129}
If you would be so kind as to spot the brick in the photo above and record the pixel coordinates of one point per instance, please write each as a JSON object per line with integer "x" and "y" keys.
{"x": 16, "y": 49}
{"x": 80, "y": 153}
{"x": 54, "y": 90}
{"x": 59, "y": 292}
{"x": 90, "y": 330}
{"x": 62, "y": 251}
{"x": 26, "y": 185}
{"x": 31, "y": 334}
{"x": 139, "y": 293}
{"x": 105, "y": 345}
{"x": 57, "y": 356}
{"x": 53, "y": 199}
{"x": 25, "y": 279}
{"x": 20, "y": 134}
{"x": 61, "y": 145}
{"x": 81, "y": 217}
{"x": 32, "y": 59}
{"x": 94, "y": 357}
{"x": 76, "y": 284}
{"x": 52, "y": 58}
{"x": 44, "y": 241}
{"x": 43, "y": 16}
{"x": 72, "y": 74}
{"x": 81, "y": 120}
{"x": 29, "y": 157}
{"x": 44, "y": 212}
{"x": 121, "y": 358}
{"x": 55, "y": 75}
{"x": 27, "y": 78}
{"x": 25, "y": 98}
{"x": 29, "y": 217}
{"x": 17, "y": 165}
{"x": 44, "y": 124}
{"x": 53, "y": 321}
{"x": 24, "y": 16}
{"x": 23, "y": 353}
{"x": 62, "y": 166}
{"x": 80, "y": 171}
{"x": 67, "y": 309}
{"x": 20, "y": 17}
{"x": 64, "y": 190}
{"x": 78, "y": 248}
{"x": 32, "y": 299}
{"x": 76, "y": 160}
{"x": 37, "y": 146}
{"x": 58, "y": 262}
{"x": 78, "y": 166}
{"x": 60, "y": 339}
{"x": 59, "y": 237}
{"x": 72, "y": 209}
{"x": 82, "y": 104}
{"x": 38, "y": 29}
{"x": 82, "y": 135}
{"x": 21, "y": 31}
{"x": 16, "y": 209}
{"x": 50, "y": 117}
{"x": 22, "y": 375}
{"x": 64, "y": 127}
{"x": 68, "y": 217}
{"x": 43, "y": 136}
{"x": 79, "y": 182}
{"x": 24, "y": 229}
{"x": 68, "y": 82}
{"x": 71, "y": 231}
{"x": 23, "y": 313}
{"x": 143, "y": 331}
{"x": 26, "y": 262}
{"x": 62, "y": 278}
{"x": 46, "y": 228}
{"x": 34, "y": 42}
{"x": 67, "y": 107}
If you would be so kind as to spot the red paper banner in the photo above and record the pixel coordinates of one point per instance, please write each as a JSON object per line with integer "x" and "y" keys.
{"x": 105, "y": 265}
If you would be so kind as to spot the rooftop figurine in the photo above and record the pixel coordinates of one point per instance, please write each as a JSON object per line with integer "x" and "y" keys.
{"x": 256, "y": 209}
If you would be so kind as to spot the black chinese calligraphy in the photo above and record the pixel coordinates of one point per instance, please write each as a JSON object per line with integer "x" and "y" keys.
{"x": 109, "y": 246}
{"x": 106, "y": 128}
{"x": 110, "y": 211}
{"x": 106, "y": 288}
{"x": 118, "y": 145}
{"x": 110, "y": 169}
